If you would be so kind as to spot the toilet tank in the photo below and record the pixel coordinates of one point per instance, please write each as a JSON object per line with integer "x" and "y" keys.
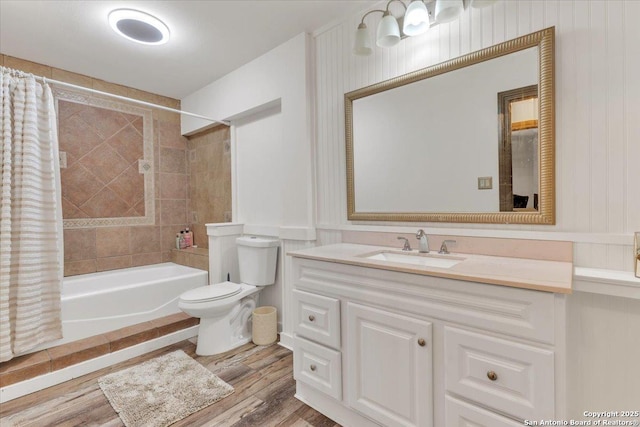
{"x": 257, "y": 258}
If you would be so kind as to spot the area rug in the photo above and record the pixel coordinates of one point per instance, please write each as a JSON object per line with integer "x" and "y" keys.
{"x": 163, "y": 390}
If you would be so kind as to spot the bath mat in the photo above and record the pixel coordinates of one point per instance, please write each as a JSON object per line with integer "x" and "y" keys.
{"x": 163, "y": 390}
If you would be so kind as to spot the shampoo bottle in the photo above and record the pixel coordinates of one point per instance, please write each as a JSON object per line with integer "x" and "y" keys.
{"x": 188, "y": 236}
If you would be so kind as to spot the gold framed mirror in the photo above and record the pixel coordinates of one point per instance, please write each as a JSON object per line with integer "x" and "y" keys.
{"x": 425, "y": 146}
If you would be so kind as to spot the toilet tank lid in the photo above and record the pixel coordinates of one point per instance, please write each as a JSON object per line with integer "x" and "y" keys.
{"x": 257, "y": 242}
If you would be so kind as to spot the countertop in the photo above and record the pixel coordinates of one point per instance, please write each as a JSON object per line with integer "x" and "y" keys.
{"x": 540, "y": 275}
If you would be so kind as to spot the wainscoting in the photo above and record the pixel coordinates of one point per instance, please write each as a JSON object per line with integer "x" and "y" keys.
{"x": 596, "y": 106}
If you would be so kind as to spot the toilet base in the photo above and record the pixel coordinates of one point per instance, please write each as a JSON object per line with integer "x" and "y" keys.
{"x": 219, "y": 334}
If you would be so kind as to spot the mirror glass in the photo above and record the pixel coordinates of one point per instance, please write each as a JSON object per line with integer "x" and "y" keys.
{"x": 106, "y": 159}
{"x": 518, "y": 149}
{"x": 636, "y": 253}
{"x": 468, "y": 140}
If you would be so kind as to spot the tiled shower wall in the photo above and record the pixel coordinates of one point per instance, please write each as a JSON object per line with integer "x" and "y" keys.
{"x": 210, "y": 180}
{"x": 88, "y": 250}
{"x": 102, "y": 149}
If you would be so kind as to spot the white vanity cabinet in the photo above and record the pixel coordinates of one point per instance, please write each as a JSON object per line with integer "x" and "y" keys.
{"x": 389, "y": 366}
{"x": 398, "y": 349}
{"x": 317, "y": 361}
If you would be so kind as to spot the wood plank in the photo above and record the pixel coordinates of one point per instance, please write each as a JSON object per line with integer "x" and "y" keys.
{"x": 279, "y": 405}
{"x": 261, "y": 375}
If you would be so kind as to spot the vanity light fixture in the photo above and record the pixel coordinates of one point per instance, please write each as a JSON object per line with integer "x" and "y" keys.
{"x": 482, "y": 3}
{"x": 415, "y": 21}
{"x": 448, "y": 10}
{"x": 139, "y": 26}
{"x": 418, "y": 17}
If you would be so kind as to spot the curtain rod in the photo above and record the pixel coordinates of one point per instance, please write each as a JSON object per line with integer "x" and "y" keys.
{"x": 136, "y": 101}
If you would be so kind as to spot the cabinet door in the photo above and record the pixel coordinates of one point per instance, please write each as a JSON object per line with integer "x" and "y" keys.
{"x": 389, "y": 366}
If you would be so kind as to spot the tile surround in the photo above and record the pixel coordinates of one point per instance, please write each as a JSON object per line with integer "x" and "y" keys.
{"x": 112, "y": 241}
{"x": 103, "y": 149}
{"x": 198, "y": 190}
{"x": 42, "y": 362}
{"x": 191, "y": 257}
{"x": 209, "y": 181}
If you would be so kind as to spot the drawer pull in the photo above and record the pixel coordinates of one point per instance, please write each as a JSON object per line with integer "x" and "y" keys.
{"x": 492, "y": 375}
{"x": 313, "y": 368}
{"x": 312, "y": 318}
{"x": 421, "y": 342}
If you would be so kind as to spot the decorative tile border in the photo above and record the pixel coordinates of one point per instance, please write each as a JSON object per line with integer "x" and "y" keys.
{"x": 146, "y": 164}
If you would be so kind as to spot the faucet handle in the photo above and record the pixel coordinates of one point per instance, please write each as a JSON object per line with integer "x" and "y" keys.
{"x": 443, "y": 247}
{"x": 407, "y": 245}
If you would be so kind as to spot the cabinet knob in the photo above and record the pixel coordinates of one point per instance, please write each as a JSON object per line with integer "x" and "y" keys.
{"x": 421, "y": 342}
{"x": 312, "y": 318}
{"x": 313, "y": 368}
{"x": 492, "y": 375}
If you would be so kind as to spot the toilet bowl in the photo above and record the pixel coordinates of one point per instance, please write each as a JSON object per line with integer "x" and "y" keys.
{"x": 225, "y": 308}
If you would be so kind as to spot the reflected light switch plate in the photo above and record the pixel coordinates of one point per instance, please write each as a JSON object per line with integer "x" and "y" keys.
{"x": 485, "y": 183}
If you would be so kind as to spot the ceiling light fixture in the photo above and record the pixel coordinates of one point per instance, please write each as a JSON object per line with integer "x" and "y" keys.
{"x": 139, "y": 26}
{"x": 418, "y": 17}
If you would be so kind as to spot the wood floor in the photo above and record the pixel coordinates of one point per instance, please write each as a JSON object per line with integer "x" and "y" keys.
{"x": 262, "y": 378}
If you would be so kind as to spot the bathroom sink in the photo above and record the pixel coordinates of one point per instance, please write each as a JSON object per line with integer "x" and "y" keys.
{"x": 412, "y": 258}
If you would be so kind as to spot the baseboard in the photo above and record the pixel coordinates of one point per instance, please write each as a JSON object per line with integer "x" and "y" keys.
{"x": 286, "y": 340}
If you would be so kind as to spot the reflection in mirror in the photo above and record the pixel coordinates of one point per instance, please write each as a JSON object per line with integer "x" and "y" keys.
{"x": 518, "y": 150}
{"x": 636, "y": 253}
{"x": 106, "y": 153}
{"x": 429, "y": 145}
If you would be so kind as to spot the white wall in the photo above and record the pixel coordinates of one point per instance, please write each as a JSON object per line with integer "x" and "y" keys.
{"x": 597, "y": 110}
{"x": 603, "y": 353}
{"x": 259, "y": 168}
{"x": 280, "y": 79}
{"x": 270, "y": 104}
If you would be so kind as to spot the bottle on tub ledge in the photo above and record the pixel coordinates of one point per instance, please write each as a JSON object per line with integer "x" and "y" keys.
{"x": 188, "y": 237}
{"x": 183, "y": 241}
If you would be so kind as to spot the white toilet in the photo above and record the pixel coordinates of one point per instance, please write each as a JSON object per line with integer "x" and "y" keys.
{"x": 225, "y": 308}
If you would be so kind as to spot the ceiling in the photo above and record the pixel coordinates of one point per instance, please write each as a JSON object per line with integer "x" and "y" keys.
{"x": 208, "y": 38}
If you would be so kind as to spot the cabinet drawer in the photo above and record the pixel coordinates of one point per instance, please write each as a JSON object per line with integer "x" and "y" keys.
{"x": 463, "y": 414}
{"x": 317, "y": 318}
{"x": 514, "y": 378}
{"x": 318, "y": 366}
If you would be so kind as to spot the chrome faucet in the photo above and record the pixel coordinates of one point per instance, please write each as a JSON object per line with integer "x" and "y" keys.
{"x": 443, "y": 247}
{"x": 407, "y": 246}
{"x": 422, "y": 239}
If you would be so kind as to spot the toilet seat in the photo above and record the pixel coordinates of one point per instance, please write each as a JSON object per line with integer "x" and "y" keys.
{"x": 211, "y": 292}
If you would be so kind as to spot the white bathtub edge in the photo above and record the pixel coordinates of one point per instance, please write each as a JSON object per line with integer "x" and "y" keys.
{"x": 41, "y": 382}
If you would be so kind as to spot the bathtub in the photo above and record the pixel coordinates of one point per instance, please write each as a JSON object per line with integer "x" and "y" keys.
{"x": 96, "y": 303}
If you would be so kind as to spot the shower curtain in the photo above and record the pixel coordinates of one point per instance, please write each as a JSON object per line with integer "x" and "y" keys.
{"x": 31, "y": 266}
